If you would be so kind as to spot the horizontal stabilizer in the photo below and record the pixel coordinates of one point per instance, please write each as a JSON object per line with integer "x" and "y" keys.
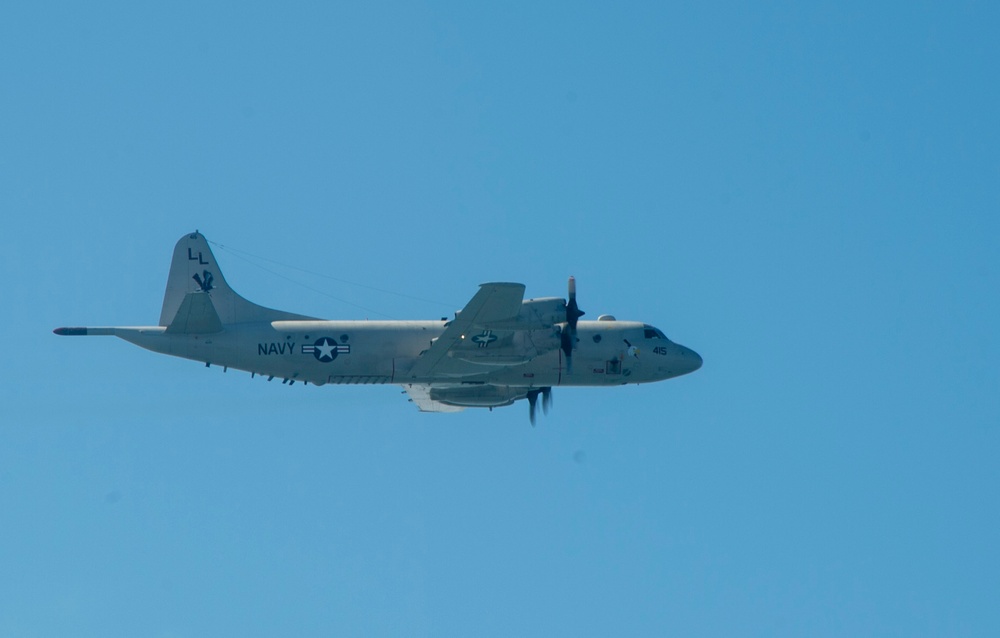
{"x": 196, "y": 315}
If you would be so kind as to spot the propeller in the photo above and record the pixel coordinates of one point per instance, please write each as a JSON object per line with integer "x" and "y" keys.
{"x": 573, "y": 314}
{"x": 533, "y": 402}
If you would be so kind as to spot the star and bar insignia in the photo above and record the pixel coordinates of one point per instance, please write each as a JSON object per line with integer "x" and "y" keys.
{"x": 326, "y": 349}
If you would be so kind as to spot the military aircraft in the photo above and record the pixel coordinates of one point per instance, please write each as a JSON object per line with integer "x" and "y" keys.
{"x": 500, "y": 348}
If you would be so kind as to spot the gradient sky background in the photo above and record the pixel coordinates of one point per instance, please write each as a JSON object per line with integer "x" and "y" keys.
{"x": 805, "y": 193}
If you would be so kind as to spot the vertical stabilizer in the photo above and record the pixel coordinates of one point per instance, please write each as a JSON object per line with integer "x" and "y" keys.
{"x": 194, "y": 270}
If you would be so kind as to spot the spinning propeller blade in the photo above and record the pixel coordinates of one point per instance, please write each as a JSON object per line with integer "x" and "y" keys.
{"x": 533, "y": 402}
{"x": 568, "y": 337}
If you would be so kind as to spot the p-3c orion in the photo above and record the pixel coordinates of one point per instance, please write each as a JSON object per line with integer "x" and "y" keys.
{"x": 498, "y": 349}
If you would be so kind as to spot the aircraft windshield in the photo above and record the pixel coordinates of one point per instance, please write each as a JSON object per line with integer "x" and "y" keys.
{"x": 650, "y": 332}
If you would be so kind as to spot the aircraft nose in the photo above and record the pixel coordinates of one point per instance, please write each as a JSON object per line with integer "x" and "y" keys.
{"x": 692, "y": 360}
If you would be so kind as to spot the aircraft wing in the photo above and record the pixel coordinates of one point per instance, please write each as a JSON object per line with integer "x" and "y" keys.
{"x": 421, "y": 397}
{"x": 495, "y": 303}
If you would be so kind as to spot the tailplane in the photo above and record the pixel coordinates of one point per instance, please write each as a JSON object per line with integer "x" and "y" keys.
{"x": 198, "y": 299}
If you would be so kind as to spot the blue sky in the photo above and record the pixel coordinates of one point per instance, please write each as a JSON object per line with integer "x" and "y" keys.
{"x": 807, "y": 195}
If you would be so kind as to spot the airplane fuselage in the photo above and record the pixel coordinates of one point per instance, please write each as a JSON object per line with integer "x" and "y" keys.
{"x": 366, "y": 352}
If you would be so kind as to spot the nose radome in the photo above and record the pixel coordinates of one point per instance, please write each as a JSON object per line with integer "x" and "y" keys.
{"x": 692, "y": 358}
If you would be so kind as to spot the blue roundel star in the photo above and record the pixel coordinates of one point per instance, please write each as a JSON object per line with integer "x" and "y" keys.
{"x": 325, "y": 349}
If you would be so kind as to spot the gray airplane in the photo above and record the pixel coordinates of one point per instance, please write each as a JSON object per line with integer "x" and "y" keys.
{"x": 498, "y": 349}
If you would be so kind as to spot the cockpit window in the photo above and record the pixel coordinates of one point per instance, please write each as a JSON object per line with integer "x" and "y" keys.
{"x": 649, "y": 332}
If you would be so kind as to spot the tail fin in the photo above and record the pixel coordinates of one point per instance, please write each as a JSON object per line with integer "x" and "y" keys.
{"x": 194, "y": 271}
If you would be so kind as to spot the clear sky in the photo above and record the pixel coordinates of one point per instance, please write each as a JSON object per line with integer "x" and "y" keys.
{"x": 805, "y": 193}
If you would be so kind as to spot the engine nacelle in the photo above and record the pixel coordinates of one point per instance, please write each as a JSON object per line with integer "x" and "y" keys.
{"x": 546, "y": 311}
